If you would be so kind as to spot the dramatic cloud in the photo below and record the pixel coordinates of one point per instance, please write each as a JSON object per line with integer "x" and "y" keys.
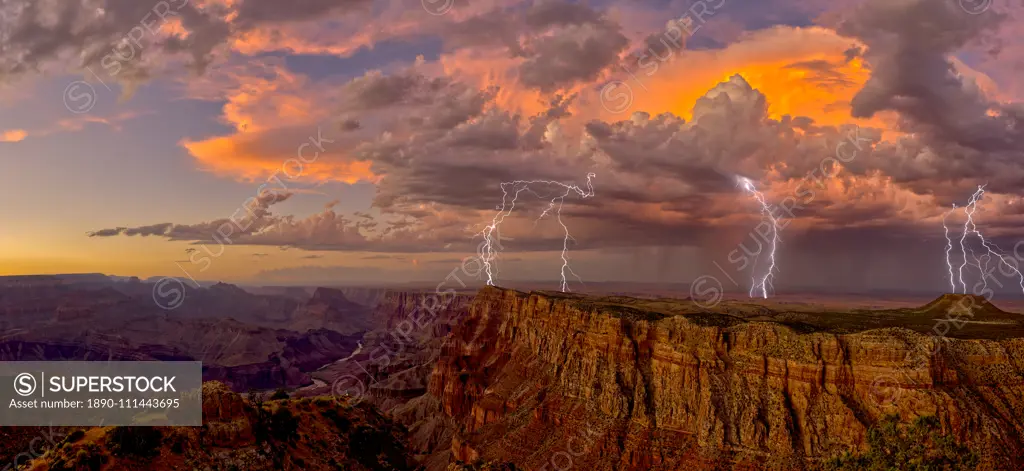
{"x": 254, "y": 12}
{"x": 966, "y": 136}
{"x": 115, "y": 36}
{"x": 869, "y": 129}
{"x": 252, "y": 217}
{"x": 580, "y": 46}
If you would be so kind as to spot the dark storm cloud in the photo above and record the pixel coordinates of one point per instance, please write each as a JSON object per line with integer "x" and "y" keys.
{"x": 378, "y": 90}
{"x": 573, "y": 54}
{"x": 495, "y": 28}
{"x": 561, "y": 43}
{"x": 551, "y": 13}
{"x": 119, "y": 31}
{"x": 124, "y": 39}
{"x": 578, "y": 45}
{"x": 427, "y": 103}
{"x": 456, "y": 166}
{"x": 253, "y": 12}
{"x": 965, "y": 134}
{"x": 493, "y": 131}
{"x": 909, "y": 42}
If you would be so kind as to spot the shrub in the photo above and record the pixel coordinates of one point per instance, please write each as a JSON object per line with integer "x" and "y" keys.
{"x": 284, "y": 425}
{"x": 135, "y": 441}
{"x": 86, "y": 458}
{"x": 279, "y": 394}
{"x": 919, "y": 447}
{"x": 76, "y": 436}
{"x": 343, "y": 423}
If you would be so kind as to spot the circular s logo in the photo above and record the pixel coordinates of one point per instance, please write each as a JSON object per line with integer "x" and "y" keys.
{"x": 885, "y": 390}
{"x": 25, "y": 384}
{"x": 350, "y": 386}
{"x": 169, "y": 293}
{"x": 616, "y": 102}
{"x": 706, "y": 291}
{"x": 975, "y": 7}
{"x": 437, "y": 7}
{"x": 79, "y": 97}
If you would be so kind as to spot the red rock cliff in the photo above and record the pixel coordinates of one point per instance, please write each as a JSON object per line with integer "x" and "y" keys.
{"x": 550, "y": 381}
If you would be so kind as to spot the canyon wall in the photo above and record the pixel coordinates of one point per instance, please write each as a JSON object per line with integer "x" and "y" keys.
{"x": 553, "y": 382}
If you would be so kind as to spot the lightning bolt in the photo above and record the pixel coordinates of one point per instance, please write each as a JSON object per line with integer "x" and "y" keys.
{"x": 969, "y": 212}
{"x": 992, "y": 250}
{"x": 490, "y": 254}
{"x": 990, "y": 247}
{"x": 949, "y": 247}
{"x": 766, "y": 281}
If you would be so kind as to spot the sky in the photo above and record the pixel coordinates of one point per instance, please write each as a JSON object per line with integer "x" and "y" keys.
{"x": 325, "y": 141}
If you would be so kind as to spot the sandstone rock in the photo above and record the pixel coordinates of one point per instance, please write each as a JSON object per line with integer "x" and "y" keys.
{"x": 527, "y": 376}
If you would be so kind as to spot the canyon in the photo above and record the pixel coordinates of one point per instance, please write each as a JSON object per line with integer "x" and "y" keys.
{"x": 551, "y": 380}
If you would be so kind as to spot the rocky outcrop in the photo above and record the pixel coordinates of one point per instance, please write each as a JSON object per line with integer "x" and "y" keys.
{"x": 266, "y": 375}
{"x": 531, "y": 378}
{"x": 323, "y": 433}
{"x": 316, "y": 348}
{"x": 329, "y": 308}
{"x": 396, "y": 357}
{"x": 289, "y": 368}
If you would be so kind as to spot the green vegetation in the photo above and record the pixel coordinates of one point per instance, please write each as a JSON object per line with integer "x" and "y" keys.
{"x": 279, "y": 394}
{"x": 87, "y": 458}
{"x": 342, "y": 423}
{"x": 134, "y": 441}
{"x": 919, "y": 447}
{"x": 268, "y": 438}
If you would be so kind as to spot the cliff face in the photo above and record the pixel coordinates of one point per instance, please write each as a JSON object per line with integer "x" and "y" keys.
{"x": 550, "y": 381}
